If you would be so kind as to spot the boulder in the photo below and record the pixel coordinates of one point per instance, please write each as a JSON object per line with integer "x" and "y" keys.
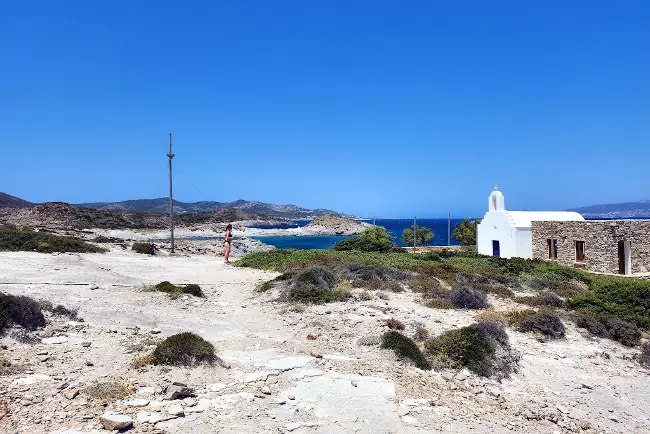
{"x": 178, "y": 390}
{"x": 114, "y": 421}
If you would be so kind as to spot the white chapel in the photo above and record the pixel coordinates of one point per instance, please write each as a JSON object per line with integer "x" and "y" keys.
{"x": 508, "y": 233}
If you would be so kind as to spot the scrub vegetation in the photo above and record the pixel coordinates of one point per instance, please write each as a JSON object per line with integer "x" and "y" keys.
{"x": 610, "y": 307}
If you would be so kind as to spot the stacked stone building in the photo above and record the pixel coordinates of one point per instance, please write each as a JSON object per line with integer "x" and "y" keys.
{"x": 606, "y": 246}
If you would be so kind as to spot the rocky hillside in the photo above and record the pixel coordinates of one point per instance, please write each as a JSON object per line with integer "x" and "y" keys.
{"x": 337, "y": 224}
{"x": 9, "y": 201}
{"x": 59, "y": 215}
{"x": 161, "y": 205}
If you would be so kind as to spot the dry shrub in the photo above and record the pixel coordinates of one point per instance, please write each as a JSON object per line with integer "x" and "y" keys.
{"x": 144, "y": 248}
{"x": 468, "y": 298}
{"x": 439, "y": 303}
{"x": 421, "y": 333}
{"x": 405, "y": 348}
{"x": 395, "y": 324}
{"x": 545, "y": 298}
{"x": 491, "y": 315}
{"x": 110, "y": 389}
{"x": 142, "y": 361}
{"x": 616, "y": 329}
{"x": 370, "y": 340}
{"x": 19, "y": 310}
{"x": 366, "y": 296}
{"x": 546, "y": 322}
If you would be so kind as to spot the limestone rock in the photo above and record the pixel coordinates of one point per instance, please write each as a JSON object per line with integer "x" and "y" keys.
{"x": 114, "y": 421}
{"x": 178, "y": 390}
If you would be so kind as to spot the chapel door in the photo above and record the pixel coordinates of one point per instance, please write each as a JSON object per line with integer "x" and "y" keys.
{"x": 621, "y": 257}
{"x": 496, "y": 248}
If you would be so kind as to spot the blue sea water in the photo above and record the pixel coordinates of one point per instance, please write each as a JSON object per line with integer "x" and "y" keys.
{"x": 393, "y": 226}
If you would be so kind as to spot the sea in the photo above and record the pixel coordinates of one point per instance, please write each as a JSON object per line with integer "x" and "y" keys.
{"x": 395, "y": 227}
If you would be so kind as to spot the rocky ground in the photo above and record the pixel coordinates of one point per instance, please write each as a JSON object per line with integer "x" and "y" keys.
{"x": 283, "y": 368}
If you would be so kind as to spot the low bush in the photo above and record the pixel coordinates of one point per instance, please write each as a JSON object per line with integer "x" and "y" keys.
{"x": 611, "y": 328}
{"x": 482, "y": 348}
{"x": 395, "y": 324}
{"x": 405, "y": 348}
{"x": 111, "y": 389}
{"x": 492, "y": 315}
{"x": 183, "y": 349}
{"x": 144, "y": 248}
{"x": 438, "y": 303}
{"x": 265, "y": 286}
{"x": 14, "y": 240}
{"x": 421, "y": 333}
{"x": 467, "y": 298}
{"x": 617, "y": 297}
{"x": 175, "y": 290}
{"x": 316, "y": 284}
{"x": 644, "y": 356}
{"x": 545, "y": 298}
{"x": 101, "y": 239}
{"x": 545, "y": 322}
{"x": 59, "y": 310}
{"x": 19, "y": 310}
{"x": 464, "y": 347}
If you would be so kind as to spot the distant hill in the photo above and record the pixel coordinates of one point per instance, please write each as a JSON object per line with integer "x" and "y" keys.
{"x": 161, "y": 205}
{"x": 9, "y": 201}
{"x": 616, "y": 210}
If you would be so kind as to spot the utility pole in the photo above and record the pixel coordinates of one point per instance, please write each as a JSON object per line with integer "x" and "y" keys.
{"x": 415, "y": 227}
{"x": 171, "y": 200}
{"x": 449, "y": 230}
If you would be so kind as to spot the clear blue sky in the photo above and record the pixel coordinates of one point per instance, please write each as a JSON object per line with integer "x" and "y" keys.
{"x": 386, "y": 108}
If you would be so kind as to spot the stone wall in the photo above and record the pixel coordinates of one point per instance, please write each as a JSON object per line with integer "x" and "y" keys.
{"x": 601, "y": 243}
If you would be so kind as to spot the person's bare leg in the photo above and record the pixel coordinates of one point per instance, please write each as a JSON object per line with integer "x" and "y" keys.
{"x": 227, "y": 254}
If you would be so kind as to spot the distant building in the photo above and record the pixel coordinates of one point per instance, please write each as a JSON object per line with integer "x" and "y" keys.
{"x": 605, "y": 246}
{"x": 509, "y": 233}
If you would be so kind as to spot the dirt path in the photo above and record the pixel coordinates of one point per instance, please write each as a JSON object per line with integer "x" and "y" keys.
{"x": 290, "y": 371}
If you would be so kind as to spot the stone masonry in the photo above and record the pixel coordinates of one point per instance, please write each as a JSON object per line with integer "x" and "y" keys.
{"x": 601, "y": 239}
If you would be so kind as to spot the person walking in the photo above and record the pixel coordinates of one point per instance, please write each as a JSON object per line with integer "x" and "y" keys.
{"x": 227, "y": 243}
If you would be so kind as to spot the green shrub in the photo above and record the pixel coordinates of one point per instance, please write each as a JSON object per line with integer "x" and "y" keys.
{"x": 103, "y": 239}
{"x": 405, "y": 348}
{"x": 464, "y": 347}
{"x": 316, "y": 285}
{"x": 423, "y": 236}
{"x": 14, "y": 240}
{"x": 373, "y": 239}
{"x": 171, "y": 289}
{"x": 545, "y": 322}
{"x": 617, "y": 297}
{"x": 19, "y": 310}
{"x": 264, "y": 286}
{"x": 547, "y": 299}
{"x": 465, "y": 232}
{"x": 144, "y": 248}
{"x": 183, "y": 349}
{"x": 395, "y": 324}
{"x": 467, "y": 298}
{"x": 483, "y": 348}
{"x": 622, "y": 331}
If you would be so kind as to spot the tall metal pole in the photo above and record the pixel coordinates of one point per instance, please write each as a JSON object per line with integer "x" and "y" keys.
{"x": 414, "y": 232}
{"x": 449, "y": 230}
{"x": 171, "y": 200}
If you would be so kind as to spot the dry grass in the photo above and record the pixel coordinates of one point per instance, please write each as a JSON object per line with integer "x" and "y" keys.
{"x": 110, "y": 389}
